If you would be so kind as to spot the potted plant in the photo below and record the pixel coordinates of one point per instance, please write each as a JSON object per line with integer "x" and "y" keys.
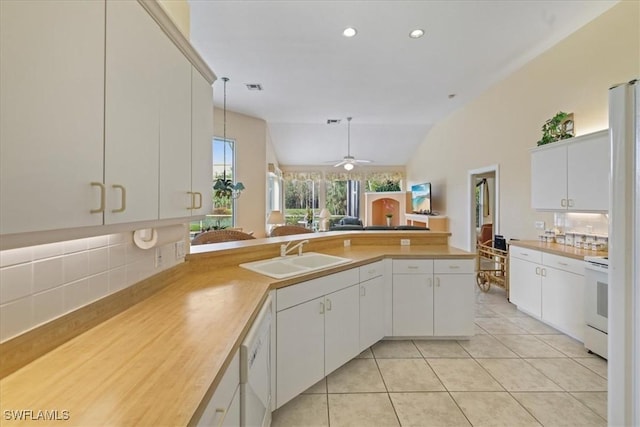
{"x": 557, "y": 128}
{"x": 225, "y": 188}
{"x": 389, "y": 217}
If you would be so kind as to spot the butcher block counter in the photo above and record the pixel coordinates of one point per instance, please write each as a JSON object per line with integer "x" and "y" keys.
{"x": 557, "y": 249}
{"x": 157, "y": 361}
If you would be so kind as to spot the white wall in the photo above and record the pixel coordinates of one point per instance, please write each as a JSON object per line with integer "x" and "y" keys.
{"x": 250, "y": 135}
{"x": 502, "y": 124}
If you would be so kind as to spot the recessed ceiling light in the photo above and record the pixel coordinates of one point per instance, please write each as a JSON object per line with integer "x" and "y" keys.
{"x": 349, "y": 32}
{"x": 416, "y": 34}
{"x": 452, "y": 95}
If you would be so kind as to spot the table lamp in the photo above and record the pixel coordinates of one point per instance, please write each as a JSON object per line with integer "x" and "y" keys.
{"x": 275, "y": 218}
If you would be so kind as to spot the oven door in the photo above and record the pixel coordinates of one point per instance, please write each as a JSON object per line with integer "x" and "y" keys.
{"x": 596, "y": 296}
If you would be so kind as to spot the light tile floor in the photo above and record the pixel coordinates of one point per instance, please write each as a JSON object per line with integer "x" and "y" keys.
{"x": 516, "y": 371}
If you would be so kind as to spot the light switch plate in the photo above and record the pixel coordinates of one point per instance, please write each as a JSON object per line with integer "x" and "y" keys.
{"x": 347, "y": 243}
{"x": 405, "y": 242}
{"x": 539, "y": 225}
{"x": 180, "y": 250}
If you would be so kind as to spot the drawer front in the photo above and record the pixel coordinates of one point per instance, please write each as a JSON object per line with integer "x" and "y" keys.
{"x": 311, "y": 289}
{"x": 217, "y": 407}
{"x": 412, "y": 266}
{"x": 525, "y": 254}
{"x": 571, "y": 265}
{"x": 454, "y": 266}
{"x": 370, "y": 271}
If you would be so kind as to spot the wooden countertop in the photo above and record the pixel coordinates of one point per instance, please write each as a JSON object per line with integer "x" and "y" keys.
{"x": 557, "y": 249}
{"x": 154, "y": 363}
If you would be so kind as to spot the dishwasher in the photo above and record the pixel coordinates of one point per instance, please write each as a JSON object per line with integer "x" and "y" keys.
{"x": 255, "y": 371}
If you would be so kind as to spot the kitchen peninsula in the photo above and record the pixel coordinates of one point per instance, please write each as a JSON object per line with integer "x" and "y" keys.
{"x": 160, "y": 361}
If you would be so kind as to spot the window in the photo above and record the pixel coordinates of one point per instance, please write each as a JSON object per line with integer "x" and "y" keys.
{"x": 343, "y": 198}
{"x": 223, "y": 162}
{"x": 300, "y": 197}
{"x": 378, "y": 185}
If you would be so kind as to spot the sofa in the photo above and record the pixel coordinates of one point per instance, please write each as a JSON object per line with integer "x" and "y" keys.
{"x": 348, "y": 223}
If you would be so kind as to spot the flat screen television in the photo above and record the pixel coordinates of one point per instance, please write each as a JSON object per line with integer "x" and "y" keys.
{"x": 421, "y": 198}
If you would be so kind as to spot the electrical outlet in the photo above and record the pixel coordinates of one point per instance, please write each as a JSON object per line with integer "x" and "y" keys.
{"x": 158, "y": 258}
{"x": 347, "y": 243}
{"x": 180, "y": 250}
{"x": 405, "y": 242}
{"x": 539, "y": 225}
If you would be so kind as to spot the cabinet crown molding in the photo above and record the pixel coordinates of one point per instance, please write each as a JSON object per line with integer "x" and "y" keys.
{"x": 171, "y": 30}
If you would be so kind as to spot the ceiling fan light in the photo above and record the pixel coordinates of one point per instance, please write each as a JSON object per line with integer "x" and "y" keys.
{"x": 417, "y": 33}
{"x": 349, "y": 32}
{"x": 348, "y": 166}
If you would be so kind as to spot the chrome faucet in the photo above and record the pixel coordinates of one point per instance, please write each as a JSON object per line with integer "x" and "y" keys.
{"x": 285, "y": 249}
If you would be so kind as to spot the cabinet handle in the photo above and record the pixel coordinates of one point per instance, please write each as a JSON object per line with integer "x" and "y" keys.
{"x": 429, "y": 282}
{"x": 544, "y": 272}
{"x": 438, "y": 282}
{"x": 537, "y": 271}
{"x": 523, "y": 254}
{"x": 102, "y": 197}
{"x": 372, "y": 272}
{"x": 123, "y": 198}
{"x": 191, "y": 206}
{"x": 454, "y": 266}
{"x": 412, "y": 267}
{"x": 563, "y": 263}
{"x": 563, "y": 203}
{"x": 363, "y": 291}
{"x": 199, "y": 200}
{"x": 570, "y": 203}
{"x": 328, "y": 304}
{"x": 222, "y": 412}
{"x": 321, "y": 308}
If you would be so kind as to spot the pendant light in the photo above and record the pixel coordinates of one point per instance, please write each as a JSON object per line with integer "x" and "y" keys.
{"x": 225, "y": 187}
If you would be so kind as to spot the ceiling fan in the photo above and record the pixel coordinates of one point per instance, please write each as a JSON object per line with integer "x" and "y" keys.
{"x": 348, "y": 161}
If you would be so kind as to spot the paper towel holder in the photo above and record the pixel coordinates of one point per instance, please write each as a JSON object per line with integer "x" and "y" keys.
{"x": 144, "y": 235}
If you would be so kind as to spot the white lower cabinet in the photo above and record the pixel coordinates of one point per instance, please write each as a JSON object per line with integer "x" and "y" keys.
{"x": 372, "y": 312}
{"x": 299, "y": 349}
{"x": 341, "y": 328}
{"x": 549, "y": 287}
{"x": 412, "y": 304}
{"x": 224, "y": 407}
{"x": 453, "y": 305}
{"x": 323, "y": 323}
{"x": 433, "y": 298}
{"x": 317, "y": 330}
{"x": 525, "y": 285}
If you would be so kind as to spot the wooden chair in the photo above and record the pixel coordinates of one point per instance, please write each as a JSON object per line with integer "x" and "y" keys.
{"x": 486, "y": 234}
{"x": 288, "y": 230}
{"x": 217, "y": 236}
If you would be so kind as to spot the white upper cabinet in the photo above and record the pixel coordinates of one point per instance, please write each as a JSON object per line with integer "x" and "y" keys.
{"x": 572, "y": 175}
{"x": 201, "y": 144}
{"x": 588, "y": 178}
{"x": 52, "y": 103}
{"x": 132, "y": 122}
{"x": 97, "y": 125}
{"x": 175, "y": 132}
{"x": 549, "y": 178}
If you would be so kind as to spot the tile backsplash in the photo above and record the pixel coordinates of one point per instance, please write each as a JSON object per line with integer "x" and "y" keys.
{"x": 584, "y": 223}
{"x": 40, "y": 283}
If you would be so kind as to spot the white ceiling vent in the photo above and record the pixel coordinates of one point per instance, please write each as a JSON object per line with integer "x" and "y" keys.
{"x": 254, "y": 86}
{"x": 333, "y": 121}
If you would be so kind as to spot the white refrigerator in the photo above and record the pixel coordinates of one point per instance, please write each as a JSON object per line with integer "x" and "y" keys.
{"x": 624, "y": 256}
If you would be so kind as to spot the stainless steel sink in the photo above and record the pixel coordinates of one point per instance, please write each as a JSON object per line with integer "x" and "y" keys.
{"x": 283, "y": 267}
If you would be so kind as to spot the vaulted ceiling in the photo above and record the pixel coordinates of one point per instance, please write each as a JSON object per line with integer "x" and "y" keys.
{"x": 395, "y": 87}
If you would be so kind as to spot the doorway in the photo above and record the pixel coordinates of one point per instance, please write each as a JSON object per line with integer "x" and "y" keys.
{"x": 484, "y": 202}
